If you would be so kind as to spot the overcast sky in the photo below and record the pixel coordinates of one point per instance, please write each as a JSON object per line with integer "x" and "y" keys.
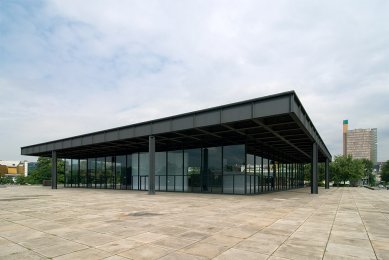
{"x": 72, "y": 67}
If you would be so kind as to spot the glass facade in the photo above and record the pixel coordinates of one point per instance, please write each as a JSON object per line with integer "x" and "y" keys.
{"x": 220, "y": 169}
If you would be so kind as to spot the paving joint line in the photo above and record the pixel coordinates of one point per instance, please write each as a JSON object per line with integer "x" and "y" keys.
{"x": 333, "y": 221}
{"x": 310, "y": 215}
{"x": 364, "y": 225}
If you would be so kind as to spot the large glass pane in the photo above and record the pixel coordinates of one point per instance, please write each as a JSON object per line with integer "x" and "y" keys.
{"x": 135, "y": 171}
{"x": 83, "y": 173}
{"x": 90, "y": 177}
{"x": 75, "y": 173}
{"x": 121, "y": 177}
{"x": 273, "y": 175}
{"x": 143, "y": 171}
{"x": 100, "y": 173}
{"x": 283, "y": 175}
{"x": 109, "y": 172}
{"x": 212, "y": 180}
{"x": 160, "y": 171}
{"x": 250, "y": 174}
{"x": 234, "y": 169}
{"x": 68, "y": 171}
{"x": 266, "y": 174}
{"x": 129, "y": 171}
{"x": 287, "y": 175}
{"x": 175, "y": 170}
{"x": 192, "y": 170}
{"x": 280, "y": 179}
{"x": 259, "y": 174}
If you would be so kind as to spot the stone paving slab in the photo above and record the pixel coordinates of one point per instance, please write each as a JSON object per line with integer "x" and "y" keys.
{"x": 340, "y": 223}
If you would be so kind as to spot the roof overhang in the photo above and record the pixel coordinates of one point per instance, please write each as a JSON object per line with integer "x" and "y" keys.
{"x": 275, "y": 126}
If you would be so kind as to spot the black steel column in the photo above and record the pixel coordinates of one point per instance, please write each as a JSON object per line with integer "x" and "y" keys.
{"x": 314, "y": 187}
{"x": 151, "y": 165}
{"x": 53, "y": 169}
{"x": 327, "y": 176}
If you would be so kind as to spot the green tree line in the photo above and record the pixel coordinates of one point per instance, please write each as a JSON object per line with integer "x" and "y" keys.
{"x": 385, "y": 173}
{"x": 40, "y": 173}
{"x": 345, "y": 169}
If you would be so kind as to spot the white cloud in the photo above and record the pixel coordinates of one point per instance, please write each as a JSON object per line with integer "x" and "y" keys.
{"x": 73, "y": 67}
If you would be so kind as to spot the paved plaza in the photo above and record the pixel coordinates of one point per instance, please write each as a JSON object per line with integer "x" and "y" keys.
{"x": 340, "y": 223}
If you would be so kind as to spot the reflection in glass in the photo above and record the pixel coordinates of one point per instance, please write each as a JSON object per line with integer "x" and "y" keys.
{"x": 129, "y": 172}
{"x": 212, "y": 180}
{"x": 192, "y": 170}
{"x": 266, "y": 174}
{"x": 160, "y": 171}
{"x": 121, "y": 177}
{"x": 135, "y": 171}
{"x": 83, "y": 173}
{"x": 234, "y": 169}
{"x": 143, "y": 170}
{"x": 109, "y": 172}
{"x": 100, "y": 172}
{"x": 75, "y": 173}
{"x": 90, "y": 177}
{"x": 226, "y": 169}
{"x": 175, "y": 170}
{"x": 68, "y": 171}
{"x": 259, "y": 174}
{"x": 250, "y": 174}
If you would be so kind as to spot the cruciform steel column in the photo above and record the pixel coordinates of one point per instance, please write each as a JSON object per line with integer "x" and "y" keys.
{"x": 151, "y": 165}
{"x": 53, "y": 169}
{"x": 327, "y": 175}
{"x": 314, "y": 187}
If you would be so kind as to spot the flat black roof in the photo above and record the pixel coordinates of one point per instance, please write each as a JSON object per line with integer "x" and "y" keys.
{"x": 276, "y": 126}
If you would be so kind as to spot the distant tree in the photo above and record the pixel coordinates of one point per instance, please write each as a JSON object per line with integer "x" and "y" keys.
{"x": 20, "y": 180}
{"x": 344, "y": 168}
{"x": 43, "y": 171}
{"x": 385, "y": 172}
{"x": 307, "y": 172}
{"x": 340, "y": 168}
{"x": 357, "y": 171}
{"x": 321, "y": 173}
{"x": 368, "y": 171}
{"x": 6, "y": 180}
{"x": 372, "y": 180}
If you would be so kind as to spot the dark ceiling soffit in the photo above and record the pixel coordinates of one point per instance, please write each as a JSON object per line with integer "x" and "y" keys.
{"x": 280, "y": 137}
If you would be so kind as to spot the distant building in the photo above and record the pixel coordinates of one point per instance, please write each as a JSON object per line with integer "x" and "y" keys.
{"x": 12, "y": 168}
{"x": 360, "y": 143}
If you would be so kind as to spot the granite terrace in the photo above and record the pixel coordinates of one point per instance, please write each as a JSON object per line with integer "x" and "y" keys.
{"x": 41, "y": 223}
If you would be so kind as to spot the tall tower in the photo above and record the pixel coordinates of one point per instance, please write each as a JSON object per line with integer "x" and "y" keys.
{"x": 345, "y": 130}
